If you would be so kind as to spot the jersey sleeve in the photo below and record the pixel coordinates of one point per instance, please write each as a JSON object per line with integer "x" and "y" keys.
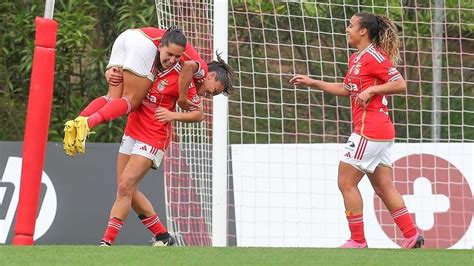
{"x": 192, "y": 54}
{"x": 385, "y": 71}
{"x": 193, "y": 96}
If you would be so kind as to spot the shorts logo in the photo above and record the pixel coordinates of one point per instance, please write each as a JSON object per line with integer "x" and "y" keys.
{"x": 348, "y": 155}
{"x": 143, "y": 148}
{"x": 351, "y": 144}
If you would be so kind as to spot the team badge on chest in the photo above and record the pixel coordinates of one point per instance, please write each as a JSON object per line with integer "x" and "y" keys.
{"x": 357, "y": 68}
{"x": 162, "y": 85}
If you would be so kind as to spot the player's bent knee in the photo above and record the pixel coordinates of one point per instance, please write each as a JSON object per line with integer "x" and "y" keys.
{"x": 344, "y": 185}
{"x": 383, "y": 189}
{"x": 125, "y": 189}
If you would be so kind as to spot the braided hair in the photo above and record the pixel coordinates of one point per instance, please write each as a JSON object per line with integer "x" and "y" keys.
{"x": 224, "y": 73}
{"x": 383, "y": 32}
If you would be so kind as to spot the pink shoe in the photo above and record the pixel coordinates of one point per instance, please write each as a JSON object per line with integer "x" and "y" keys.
{"x": 353, "y": 244}
{"x": 415, "y": 241}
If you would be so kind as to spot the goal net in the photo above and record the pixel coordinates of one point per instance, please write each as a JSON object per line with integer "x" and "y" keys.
{"x": 188, "y": 160}
{"x": 285, "y": 141}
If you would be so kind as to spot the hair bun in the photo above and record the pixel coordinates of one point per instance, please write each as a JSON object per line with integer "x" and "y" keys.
{"x": 174, "y": 28}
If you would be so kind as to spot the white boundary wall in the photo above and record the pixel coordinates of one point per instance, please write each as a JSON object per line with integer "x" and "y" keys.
{"x": 286, "y": 195}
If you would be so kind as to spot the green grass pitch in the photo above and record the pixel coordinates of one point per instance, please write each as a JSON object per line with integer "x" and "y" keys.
{"x": 145, "y": 255}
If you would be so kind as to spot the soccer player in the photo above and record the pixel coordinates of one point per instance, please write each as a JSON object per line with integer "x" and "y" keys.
{"x": 135, "y": 52}
{"x": 146, "y": 137}
{"x": 371, "y": 76}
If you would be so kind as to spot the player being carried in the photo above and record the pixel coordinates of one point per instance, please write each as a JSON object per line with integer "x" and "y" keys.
{"x": 139, "y": 55}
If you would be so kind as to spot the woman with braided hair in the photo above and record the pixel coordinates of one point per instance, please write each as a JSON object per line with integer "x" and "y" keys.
{"x": 146, "y": 137}
{"x": 370, "y": 77}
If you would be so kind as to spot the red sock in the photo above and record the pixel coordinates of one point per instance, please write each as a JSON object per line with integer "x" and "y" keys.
{"x": 403, "y": 220}
{"x": 356, "y": 226}
{"x": 110, "y": 111}
{"x": 154, "y": 225}
{"x": 94, "y": 106}
{"x": 112, "y": 230}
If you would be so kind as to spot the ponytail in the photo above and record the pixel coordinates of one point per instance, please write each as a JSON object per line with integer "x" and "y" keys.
{"x": 224, "y": 73}
{"x": 387, "y": 39}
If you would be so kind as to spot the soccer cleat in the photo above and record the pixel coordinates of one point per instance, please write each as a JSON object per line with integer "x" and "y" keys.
{"x": 82, "y": 131}
{"x": 69, "y": 138}
{"x": 163, "y": 240}
{"x": 415, "y": 241}
{"x": 353, "y": 244}
{"x": 104, "y": 243}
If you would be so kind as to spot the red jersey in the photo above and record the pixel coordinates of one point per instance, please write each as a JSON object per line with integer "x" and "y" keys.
{"x": 155, "y": 35}
{"x": 368, "y": 68}
{"x": 142, "y": 124}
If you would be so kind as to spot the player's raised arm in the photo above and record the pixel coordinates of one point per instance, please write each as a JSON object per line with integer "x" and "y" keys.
{"x": 333, "y": 88}
{"x": 189, "y": 68}
{"x": 193, "y": 68}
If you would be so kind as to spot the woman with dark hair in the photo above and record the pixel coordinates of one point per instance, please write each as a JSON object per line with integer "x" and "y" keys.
{"x": 146, "y": 137}
{"x": 139, "y": 55}
{"x": 371, "y": 76}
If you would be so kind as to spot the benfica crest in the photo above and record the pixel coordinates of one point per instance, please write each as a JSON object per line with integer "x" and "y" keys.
{"x": 162, "y": 85}
{"x": 357, "y": 68}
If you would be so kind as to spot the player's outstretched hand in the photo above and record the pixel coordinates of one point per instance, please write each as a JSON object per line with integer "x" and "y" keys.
{"x": 187, "y": 104}
{"x": 114, "y": 76}
{"x": 301, "y": 80}
{"x": 165, "y": 115}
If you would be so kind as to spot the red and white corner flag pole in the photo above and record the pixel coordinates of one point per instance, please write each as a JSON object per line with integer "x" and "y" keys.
{"x": 37, "y": 124}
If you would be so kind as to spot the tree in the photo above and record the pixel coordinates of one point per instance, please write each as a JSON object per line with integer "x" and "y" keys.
{"x": 85, "y": 35}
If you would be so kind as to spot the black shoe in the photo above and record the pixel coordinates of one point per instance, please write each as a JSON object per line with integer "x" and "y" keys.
{"x": 163, "y": 240}
{"x": 420, "y": 241}
{"x": 104, "y": 243}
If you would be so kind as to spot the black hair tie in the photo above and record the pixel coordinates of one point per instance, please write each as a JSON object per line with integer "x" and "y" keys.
{"x": 174, "y": 28}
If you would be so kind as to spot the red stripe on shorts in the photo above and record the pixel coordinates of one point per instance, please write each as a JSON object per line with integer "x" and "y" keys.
{"x": 361, "y": 149}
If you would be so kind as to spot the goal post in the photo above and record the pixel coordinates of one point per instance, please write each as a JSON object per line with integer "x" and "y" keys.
{"x": 219, "y": 134}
